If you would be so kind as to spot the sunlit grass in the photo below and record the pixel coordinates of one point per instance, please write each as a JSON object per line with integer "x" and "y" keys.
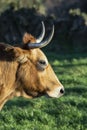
{"x": 66, "y": 113}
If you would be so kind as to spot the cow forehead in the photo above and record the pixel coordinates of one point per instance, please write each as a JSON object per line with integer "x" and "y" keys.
{"x": 37, "y": 54}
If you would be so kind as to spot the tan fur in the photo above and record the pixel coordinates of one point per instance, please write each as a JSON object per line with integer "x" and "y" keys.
{"x": 28, "y": 38}
{"x": 24, "y": 78}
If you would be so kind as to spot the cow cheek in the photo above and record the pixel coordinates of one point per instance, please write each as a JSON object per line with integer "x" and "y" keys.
{"x": 28, "y": 77}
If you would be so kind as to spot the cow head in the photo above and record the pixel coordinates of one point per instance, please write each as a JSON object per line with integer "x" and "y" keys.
{"x": 35, "y": 76}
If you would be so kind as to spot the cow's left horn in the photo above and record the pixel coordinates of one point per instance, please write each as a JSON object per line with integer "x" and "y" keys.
{"x": 40, "y": 38}
{"x": 43, "y": 43}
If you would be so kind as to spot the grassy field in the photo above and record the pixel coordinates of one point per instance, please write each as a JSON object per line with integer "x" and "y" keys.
{"x": 66, "y": 113}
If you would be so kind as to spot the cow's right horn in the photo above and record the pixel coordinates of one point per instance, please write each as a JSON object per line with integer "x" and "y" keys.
{"x": 43, "y": 43}
{"x": 40, "y": 38}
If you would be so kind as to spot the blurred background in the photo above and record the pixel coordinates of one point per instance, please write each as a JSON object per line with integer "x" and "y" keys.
{"x": 67, "y": 53}
{"x": 68, "y": 16}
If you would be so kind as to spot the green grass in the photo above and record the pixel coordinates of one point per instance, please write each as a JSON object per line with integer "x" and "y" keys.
{"x": 66, "y": 113}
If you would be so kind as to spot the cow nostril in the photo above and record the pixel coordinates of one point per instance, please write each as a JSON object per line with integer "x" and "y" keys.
{"x": 61, "y": 91}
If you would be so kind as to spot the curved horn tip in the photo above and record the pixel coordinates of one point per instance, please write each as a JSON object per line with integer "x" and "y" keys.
{"x": 47, "y": 40}
{"x": 40, "y": 38}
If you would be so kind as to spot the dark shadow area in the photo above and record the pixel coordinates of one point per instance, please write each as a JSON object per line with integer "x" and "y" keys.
{"x": 70, "y": 28}
{"x": 76, "y": 90}
{"x": 21, "y": 103}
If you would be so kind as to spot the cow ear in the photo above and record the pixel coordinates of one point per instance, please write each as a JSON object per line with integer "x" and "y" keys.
{"x": 5, "y": 47}
{"x": 28, "y": 38}
{"x": 8, "y": 51}
{"x": 17, "y": 54}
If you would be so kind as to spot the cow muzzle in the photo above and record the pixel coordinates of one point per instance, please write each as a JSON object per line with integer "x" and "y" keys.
{"x": 57, "y": 92}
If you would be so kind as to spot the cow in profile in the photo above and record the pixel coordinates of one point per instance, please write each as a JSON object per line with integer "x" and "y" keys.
{"x": 25, "y": 71}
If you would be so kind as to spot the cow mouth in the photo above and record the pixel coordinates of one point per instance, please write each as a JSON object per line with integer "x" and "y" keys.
{"x": 49, "y": 94}
{"x": 34, "y": 94}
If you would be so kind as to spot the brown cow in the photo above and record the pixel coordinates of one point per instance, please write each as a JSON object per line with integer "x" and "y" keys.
{"x": 25, "y": 71}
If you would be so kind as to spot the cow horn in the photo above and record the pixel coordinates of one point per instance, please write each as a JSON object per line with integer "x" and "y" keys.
{"x": 43, "y": 43}
{"x": 40, "y": 38}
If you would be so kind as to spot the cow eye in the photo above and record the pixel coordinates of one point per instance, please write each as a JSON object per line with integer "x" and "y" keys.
{"x": 41, "y": 65}
{"x": 42, "y": 62}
